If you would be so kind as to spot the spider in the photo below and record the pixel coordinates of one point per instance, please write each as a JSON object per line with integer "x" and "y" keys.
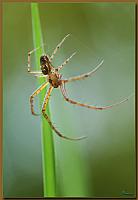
{"x": 54, "y": 78}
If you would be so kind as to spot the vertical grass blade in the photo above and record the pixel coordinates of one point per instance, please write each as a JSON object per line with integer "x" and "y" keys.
{"x": 48, "y": 155}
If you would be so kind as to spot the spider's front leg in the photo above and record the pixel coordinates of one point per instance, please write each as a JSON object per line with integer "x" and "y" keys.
{"x": 58, "y": 47}
{"x": 48, "y": 119}
{"x": 86, "y": 105}
{"x": 34, "y": 94}
{"x": 37, "y": 73}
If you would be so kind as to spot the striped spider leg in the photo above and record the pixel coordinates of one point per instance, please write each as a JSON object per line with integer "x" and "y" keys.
{"x": 46, "y": 99}
{"x": 83, "y": 76}
{"x": 37, "y": 73}
{"x": 58, "y": 47}
{"x": 64, "y": 93}
{"x": 34, "y": 94}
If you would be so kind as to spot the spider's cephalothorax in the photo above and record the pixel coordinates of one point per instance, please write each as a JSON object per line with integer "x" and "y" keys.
{"x": 55, "y": 79}
{"x": 45, "y": 64}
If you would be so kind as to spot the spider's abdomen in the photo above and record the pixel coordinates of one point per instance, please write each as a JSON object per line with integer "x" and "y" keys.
{"x": 45, "y": 64}
{"x": 54, "y": 80}
{"x": 43, "y": 60}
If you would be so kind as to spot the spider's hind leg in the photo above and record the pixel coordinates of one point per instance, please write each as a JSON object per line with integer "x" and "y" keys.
{"x": 57, "y": 132}
{"x": 34, "y": 94}
{"x": 49, "y": 121}
{"x": 90, "y": 106}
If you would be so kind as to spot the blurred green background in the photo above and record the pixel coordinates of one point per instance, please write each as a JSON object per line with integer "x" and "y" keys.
{"x": 103, "y": 165}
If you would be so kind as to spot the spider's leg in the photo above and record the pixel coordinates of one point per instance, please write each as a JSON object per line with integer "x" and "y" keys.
{"x": 29, "y": 61}
{"x": 46, "y": 99}
{"x": 48, "y": 119}
{"x": 64, "y": 89}
{"x": 90, "y": 106}
{"x": 40, "y": 75}
{"x": 66, "y": 61}
{"x": 36, "y": 73}
{"x": 34, "y": 94}
{"x": 84, "y": 75}
{"x": 57, "y": 47}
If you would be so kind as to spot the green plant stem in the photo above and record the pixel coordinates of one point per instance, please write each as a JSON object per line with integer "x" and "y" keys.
{"x": 48, "y": 155}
